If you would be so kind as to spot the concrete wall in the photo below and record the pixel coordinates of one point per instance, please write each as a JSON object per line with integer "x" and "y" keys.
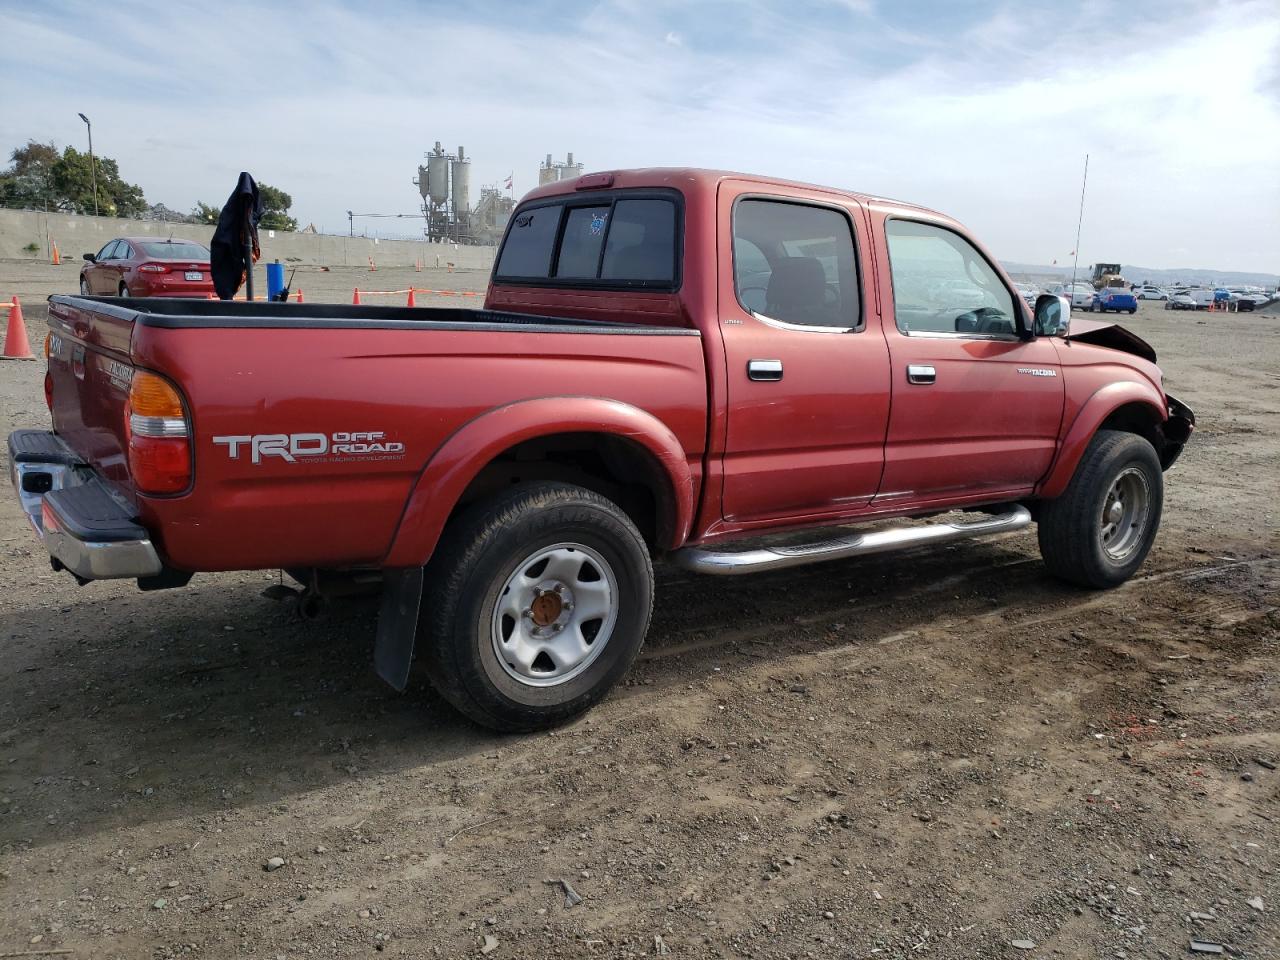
{"x": 77, "y": 235}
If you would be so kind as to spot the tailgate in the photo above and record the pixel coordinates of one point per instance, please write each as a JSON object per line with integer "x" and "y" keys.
{"x": 90, "y": 371}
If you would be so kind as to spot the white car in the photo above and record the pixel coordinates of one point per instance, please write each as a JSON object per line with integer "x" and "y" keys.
{"x": 1150, "y": 292}
{"x": 1028, "y": 292}
{"x": 1080, "y": 294}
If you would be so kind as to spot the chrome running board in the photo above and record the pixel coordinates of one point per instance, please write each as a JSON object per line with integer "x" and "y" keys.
{"x": 731, "y": 563}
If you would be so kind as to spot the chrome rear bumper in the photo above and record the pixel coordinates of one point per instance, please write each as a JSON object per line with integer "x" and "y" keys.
{"x": 85, "y": 528}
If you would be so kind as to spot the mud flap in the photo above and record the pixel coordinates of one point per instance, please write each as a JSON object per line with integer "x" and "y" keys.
{"x": 397, "y": 625}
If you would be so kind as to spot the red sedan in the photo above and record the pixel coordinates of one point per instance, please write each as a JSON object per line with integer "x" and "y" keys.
{"x": 147, "y": 267}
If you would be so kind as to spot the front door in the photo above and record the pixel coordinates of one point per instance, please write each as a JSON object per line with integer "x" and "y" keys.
{"x": 976, "y": 409}
{"x": 98, "y": 274}
{"x": 807, "y": 374}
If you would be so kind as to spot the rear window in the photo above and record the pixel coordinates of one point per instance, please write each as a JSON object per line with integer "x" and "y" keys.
{"x": 175, "y": 250}
{"x": 608, "y": 241}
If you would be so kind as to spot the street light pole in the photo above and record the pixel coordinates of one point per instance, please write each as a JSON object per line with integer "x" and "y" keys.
{"x": 93, "y": 168}
{"x": 351, "y": 224}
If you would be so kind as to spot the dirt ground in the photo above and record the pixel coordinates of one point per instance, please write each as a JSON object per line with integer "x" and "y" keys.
{"x": 939, "y": 754}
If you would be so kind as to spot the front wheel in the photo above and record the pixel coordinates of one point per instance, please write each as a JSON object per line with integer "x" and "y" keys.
{"x": 538, "y": 602}
{"x": 124, "y": 291}
{"x": 1133, "y": 311}
{"x": 1100, "y": 530}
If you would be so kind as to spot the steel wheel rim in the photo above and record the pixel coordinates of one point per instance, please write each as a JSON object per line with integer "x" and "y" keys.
{"x": 1126, "y": 510}
{"x": 554, "y": 615}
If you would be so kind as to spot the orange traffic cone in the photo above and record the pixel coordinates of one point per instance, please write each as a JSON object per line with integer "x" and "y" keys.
{"x": 412, "y": 302}
{"x": 355, "y": 297}
{"x": 300, "y": 295}
{"x": 16, "y": 344}
{"x": 57, "y": 257}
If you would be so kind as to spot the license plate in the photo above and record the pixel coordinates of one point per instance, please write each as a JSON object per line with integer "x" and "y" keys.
{"x": 194, "y": 275}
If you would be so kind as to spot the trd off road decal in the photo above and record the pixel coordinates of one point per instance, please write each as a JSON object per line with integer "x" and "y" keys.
{"x": 313, "y": 447}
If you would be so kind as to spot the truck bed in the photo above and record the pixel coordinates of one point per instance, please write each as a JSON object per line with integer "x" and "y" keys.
{"x": 203, "y": 314}
{"x": 268, "y": 372}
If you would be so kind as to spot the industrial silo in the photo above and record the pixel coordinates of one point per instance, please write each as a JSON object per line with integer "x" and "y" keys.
{"x": 461, "y": 186}
{"x": 438, "y": 176}
{"x": 569, "y": 170}
{"x": 547, "y": 173}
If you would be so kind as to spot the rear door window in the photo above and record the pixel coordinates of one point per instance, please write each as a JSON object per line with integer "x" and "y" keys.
{"x": 794, "y": 262}
{"x": 530, "y": 243}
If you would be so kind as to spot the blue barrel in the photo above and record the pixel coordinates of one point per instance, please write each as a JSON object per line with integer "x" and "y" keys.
{"x": 275, "y": 279}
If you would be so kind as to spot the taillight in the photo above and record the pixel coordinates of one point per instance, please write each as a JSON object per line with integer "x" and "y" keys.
{"x": 159, "y": 442}
{"x": 152, "y": 268}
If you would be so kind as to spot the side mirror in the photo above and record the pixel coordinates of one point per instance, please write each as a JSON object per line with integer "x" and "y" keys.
{"x": 1052, "y": 315}
{"x": 91, "y": 257}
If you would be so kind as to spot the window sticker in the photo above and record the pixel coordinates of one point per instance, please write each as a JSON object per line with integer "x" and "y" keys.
{"x": 597, "y": 223}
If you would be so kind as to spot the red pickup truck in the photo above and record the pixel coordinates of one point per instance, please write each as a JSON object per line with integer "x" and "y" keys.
{"x": 668, "y": 364}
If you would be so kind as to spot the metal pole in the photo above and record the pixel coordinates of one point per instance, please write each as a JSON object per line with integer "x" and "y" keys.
{"x": 248, "y": 250}
{"x": 1079, "y": 222}
{"x": 93, "y": 167}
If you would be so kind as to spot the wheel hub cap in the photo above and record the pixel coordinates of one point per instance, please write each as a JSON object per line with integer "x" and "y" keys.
{"x": 555, "y": 614}
{"x": 1125, "y": 514}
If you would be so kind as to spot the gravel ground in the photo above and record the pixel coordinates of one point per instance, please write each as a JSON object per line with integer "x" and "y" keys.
{"x": 942, "y": 754}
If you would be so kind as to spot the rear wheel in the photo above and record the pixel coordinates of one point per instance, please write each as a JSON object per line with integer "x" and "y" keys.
{"x": 1100, "y": 530}
{"x": 538, "y": 603}
{"x": 124, "y": 291}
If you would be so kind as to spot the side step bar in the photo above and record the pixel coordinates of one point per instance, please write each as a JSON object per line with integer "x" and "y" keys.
{"x": 731, "y": 563}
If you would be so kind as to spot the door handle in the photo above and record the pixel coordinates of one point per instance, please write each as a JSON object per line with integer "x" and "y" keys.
{"x": 764, "y": 369}
{"x": 921, "y": 373}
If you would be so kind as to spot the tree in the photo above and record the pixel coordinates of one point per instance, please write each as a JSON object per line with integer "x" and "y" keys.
{"x": 27, "y": 182}
{"x": 276, "y": 204}
{"x": 73, "y": 180}
{"x": 206, "y": 213}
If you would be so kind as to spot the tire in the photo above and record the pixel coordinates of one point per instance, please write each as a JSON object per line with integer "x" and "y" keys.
{"x": 550, "y": 554}
{"x": 124, "y": 291}
{"x": 1133, "y": 311}
{"x": 1087, "y": 535}
{"x": 84, "y": 287}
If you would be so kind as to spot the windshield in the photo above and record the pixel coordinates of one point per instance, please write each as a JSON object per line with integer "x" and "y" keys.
{"x": 175, "y": 250}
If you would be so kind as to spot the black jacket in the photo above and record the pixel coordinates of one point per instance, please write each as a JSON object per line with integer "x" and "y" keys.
{"x": 238, "y": 221}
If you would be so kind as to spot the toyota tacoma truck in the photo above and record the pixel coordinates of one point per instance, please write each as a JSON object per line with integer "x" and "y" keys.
{"x": 670, "y": 366}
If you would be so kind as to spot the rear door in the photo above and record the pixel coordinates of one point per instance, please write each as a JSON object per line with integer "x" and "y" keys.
{"x": 807, "y": 374}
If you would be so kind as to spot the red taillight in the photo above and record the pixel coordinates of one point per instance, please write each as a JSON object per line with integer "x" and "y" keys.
{"x": 158, "y": 439}
{"x": 153, "y": 268}
{"x": 160, "y": 465}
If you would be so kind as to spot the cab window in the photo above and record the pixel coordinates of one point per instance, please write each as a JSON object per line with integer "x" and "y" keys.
{"x": 942, "y": 284}
{"x": 612, "y": 241}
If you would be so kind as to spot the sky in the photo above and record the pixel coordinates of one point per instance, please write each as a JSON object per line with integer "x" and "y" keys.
{"x": 984, "y": 111}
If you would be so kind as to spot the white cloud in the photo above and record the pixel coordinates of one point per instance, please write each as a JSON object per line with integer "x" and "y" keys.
{"x": 1181, "y": 113}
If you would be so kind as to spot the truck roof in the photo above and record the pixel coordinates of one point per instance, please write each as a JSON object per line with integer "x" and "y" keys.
{"x": 693, "y": 179}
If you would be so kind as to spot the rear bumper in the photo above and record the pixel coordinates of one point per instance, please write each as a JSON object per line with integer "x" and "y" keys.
{"x": 83, "y": 525}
